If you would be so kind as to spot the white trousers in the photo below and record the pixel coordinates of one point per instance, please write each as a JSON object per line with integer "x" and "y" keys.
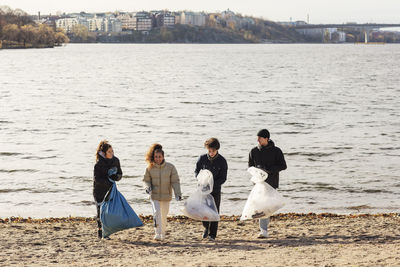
{"x": 160, "y": 212}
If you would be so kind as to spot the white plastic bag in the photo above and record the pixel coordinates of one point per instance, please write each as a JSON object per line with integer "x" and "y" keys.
{"x": 263, "y": 200}
{"x": 205, "y": 182}
{"x": 201, "y": 205}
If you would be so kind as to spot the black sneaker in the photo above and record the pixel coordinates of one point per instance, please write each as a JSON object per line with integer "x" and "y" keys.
{"x": 205, "y": 234}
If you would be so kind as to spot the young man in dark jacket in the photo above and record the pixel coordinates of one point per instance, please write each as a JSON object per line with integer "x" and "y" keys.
{"x": 268, "y": 157}
{"x": 215, "y": 163}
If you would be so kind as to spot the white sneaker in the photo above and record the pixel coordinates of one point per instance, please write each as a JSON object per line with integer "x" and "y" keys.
{"x": 263, "y": 234}
{"x": 157, "y": 237}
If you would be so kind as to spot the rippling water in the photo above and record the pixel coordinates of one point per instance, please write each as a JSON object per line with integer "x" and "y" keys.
{"x": 333, "y": 110}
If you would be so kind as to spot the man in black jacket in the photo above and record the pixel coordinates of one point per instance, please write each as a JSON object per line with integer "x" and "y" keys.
{"x": 215, "y": 163}
{"x": 269, "y": 158}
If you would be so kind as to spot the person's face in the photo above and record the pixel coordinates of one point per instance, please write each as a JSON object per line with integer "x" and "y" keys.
{"x": 158, "y": 158}
{"x": 262, "y": 141}
{"x": 212, "y": 152}
{"x": 109, "y": 153}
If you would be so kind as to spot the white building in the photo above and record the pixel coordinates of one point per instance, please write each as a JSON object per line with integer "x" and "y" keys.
{"x": 96, "y": 24}
{"x": 325, "y": 34}
{"x": 127, "y": 22}
{"x": 144, "y": 24}
{"x": 144, "y": 21}
{"x": 168, "y": 20}
{"x": 67, "y": 24}
{"x": 116, "y": 26}
{"x": 165, "y": 19}
{"x": 191, "y": 18}
{"x": 112, "y": 25}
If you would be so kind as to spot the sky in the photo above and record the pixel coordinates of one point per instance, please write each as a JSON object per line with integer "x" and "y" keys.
{"x": 319, "y": 11}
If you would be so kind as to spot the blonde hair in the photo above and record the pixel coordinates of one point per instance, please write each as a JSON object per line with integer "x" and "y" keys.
{"x": 150, "y": 153}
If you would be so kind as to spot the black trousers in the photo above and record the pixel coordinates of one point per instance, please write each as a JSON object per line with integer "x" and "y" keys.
{"x": 98, "y": 216}
{"x": 212, "y": 227}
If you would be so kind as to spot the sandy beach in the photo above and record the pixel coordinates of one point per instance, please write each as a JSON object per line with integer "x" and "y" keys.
{"x": 295, "y": 240}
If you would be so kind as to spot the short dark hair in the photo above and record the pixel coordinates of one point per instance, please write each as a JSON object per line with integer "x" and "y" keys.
{"x": 263, "y": 133}
{"x": 212, "y": 143}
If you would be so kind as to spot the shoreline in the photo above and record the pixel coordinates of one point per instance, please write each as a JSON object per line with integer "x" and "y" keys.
{"x": 182, "y": 218}
{"x": 294, "y": 240}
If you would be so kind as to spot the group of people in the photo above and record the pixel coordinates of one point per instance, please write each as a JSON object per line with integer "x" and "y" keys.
{"x": 161, "y": 178}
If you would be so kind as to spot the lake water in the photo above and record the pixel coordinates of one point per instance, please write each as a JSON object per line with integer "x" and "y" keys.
{"x": 332, "y": 109}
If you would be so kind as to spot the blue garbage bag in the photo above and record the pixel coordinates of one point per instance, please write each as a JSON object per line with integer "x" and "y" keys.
{"x": 116, "y": 214}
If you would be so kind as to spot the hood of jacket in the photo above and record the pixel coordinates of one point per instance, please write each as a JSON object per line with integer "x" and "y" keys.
{"x": 269, "y": 145}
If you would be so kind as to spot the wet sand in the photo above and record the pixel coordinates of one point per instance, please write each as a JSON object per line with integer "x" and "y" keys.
{"x": 295, "y": 240}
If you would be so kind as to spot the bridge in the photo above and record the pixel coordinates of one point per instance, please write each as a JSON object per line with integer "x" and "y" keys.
{"x": 366, "y": 28}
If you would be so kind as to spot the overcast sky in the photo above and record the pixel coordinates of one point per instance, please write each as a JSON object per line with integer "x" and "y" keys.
{"x": 320, "y": 11}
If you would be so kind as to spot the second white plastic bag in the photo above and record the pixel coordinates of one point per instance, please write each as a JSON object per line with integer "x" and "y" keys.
{"x": 263, "y": 200}
{"x": 201, "y": 205}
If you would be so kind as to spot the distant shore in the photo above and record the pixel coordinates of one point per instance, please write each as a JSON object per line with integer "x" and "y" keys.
{"x": 294, "y": 240}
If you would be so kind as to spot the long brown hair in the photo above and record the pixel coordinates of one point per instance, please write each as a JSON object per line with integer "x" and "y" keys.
{"x": 103, "y": 147}
{"x": 150, "y": 153}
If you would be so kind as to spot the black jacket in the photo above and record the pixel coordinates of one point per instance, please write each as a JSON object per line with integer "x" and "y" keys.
{"x": 101, "y": 184}
{"x": 269, "y": 158}
{"x": 218, "y": 168}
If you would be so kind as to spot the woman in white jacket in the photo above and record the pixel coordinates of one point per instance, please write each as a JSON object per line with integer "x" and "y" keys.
{"x": 159, "y": 179}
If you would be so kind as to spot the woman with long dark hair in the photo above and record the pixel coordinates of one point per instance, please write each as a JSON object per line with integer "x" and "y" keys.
{"x": 107, "y": 167}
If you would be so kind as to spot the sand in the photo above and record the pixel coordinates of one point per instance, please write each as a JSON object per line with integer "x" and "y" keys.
{"x": 295, "y": 240}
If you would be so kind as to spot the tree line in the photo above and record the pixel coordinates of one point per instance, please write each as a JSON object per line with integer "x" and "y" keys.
{"x": 18, "y": 30}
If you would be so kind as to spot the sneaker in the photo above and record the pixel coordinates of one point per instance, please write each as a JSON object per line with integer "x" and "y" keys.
{"x": 157, "y": 237}
{"x": 107, "y": 238}
{"x": 205, "y": 234}
{"x": 263, "y": 234}
{"x": 211, "y": 238}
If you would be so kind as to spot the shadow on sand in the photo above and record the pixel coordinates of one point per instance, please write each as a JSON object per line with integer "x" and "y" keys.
{"x": 260, "y": 244}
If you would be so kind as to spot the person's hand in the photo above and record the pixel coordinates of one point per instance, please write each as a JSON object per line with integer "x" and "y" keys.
{"x": 148, "y": 190}
{"x": 112, "y": 171}
{"x": 178, "y": 198}
{"x": 114, "y": 176}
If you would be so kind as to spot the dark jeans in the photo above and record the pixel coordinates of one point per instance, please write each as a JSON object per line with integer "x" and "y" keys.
{"x": 212, "y": 227}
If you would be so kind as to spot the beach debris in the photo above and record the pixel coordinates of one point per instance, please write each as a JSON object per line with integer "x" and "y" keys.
{"x": 184, "y": 219}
